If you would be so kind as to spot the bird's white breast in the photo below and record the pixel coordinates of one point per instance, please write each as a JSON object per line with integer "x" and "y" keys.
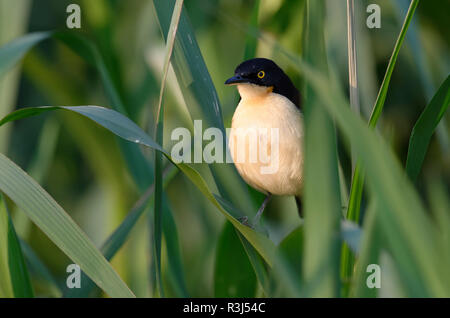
{"x": 263, "y": 112}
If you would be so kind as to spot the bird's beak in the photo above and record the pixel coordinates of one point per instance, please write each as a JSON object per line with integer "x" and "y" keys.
{"x": 236, "y": 80}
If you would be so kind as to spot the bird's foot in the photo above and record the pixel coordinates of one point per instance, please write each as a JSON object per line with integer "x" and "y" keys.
{"x": 254, "y": 225}
{"x": 244, "y": 221}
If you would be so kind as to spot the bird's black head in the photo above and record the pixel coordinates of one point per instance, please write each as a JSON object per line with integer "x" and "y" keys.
{"x": 265, "y": 72}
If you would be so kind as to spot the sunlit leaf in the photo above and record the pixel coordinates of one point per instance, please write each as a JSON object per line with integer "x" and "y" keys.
{"x": 50, "y": 217}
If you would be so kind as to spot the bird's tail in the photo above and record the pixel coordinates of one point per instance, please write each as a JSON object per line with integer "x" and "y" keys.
{"x": 298, "y": 200}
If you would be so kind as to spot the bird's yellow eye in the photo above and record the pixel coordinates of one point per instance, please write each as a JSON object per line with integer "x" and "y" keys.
{"x": 261, "y": 74}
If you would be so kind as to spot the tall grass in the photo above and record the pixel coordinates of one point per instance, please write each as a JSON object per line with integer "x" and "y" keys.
{"x": 321, "y": 193}
{"x": 396, "y": 231}
{"x": 13, "y": 23}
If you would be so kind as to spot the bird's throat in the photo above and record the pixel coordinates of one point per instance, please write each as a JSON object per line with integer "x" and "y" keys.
{"x": 252, "y": 91}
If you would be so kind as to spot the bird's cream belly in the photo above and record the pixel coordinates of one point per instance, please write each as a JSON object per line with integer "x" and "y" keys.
{"x": 266, "y": 144}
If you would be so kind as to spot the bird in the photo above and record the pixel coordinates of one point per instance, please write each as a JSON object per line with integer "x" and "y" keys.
{"x": 268, "y": 100}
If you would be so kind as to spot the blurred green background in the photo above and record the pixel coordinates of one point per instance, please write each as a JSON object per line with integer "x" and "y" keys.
{"x": 81, "y": 165}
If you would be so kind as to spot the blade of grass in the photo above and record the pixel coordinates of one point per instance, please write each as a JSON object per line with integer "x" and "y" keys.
{"x": 370, "y": 247}
{"x": 378, "y": 246}
{"x": 424, "y": 129}
{"x": 236, "y": 278}
{"x": 321, "y": 190}
{"x": 391, "y": 286}
{"x": 421, "y": 60}
{"x": 20, "y": 277}
{"x": 411, "y": 235}
{"x": 175, "y": 264}
{"x": 118, "y": 238}
{"x": 292, "y": 250}
{"x": 39, "y": 167}
{"x": 352, "y": 62}
{"x": 14, "y": 271}
{"x": 201, "y": 97}
{"x": 13, "y": 52}
{"x": 381, "y": 98}
{"x": 39, "y": 271}
{"x": 351, "y": 235}
{"x": 13, "y": 23}
{"x": 258, "y": 264}
{"x": 45, "y": 212}
{"x": 280, "y": 272}
{"x": 158, "y": 217}
{"x": 190, "y": 67}
{"x": 347, "y": 257}
{"x": 356, "y": 190}
{"x": 409, "y": 232}
{"x": 440, "y": 206}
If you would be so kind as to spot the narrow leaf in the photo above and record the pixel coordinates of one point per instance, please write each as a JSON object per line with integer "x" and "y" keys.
{"x": 356, "y": 190}
{"x": 175, "y": 264}
{"x": 424, "y": 129}
{"x": 13, "y": 52}
{"x": 45, "y": 212}
{"x": 39, "y": 271}
{"x": 321, "y": 190}
{"x": 14, "y": 271}
{"x": 158, "y": 217}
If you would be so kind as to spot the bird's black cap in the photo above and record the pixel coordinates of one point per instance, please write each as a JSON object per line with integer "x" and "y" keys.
{"x": 265, "y": 72}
